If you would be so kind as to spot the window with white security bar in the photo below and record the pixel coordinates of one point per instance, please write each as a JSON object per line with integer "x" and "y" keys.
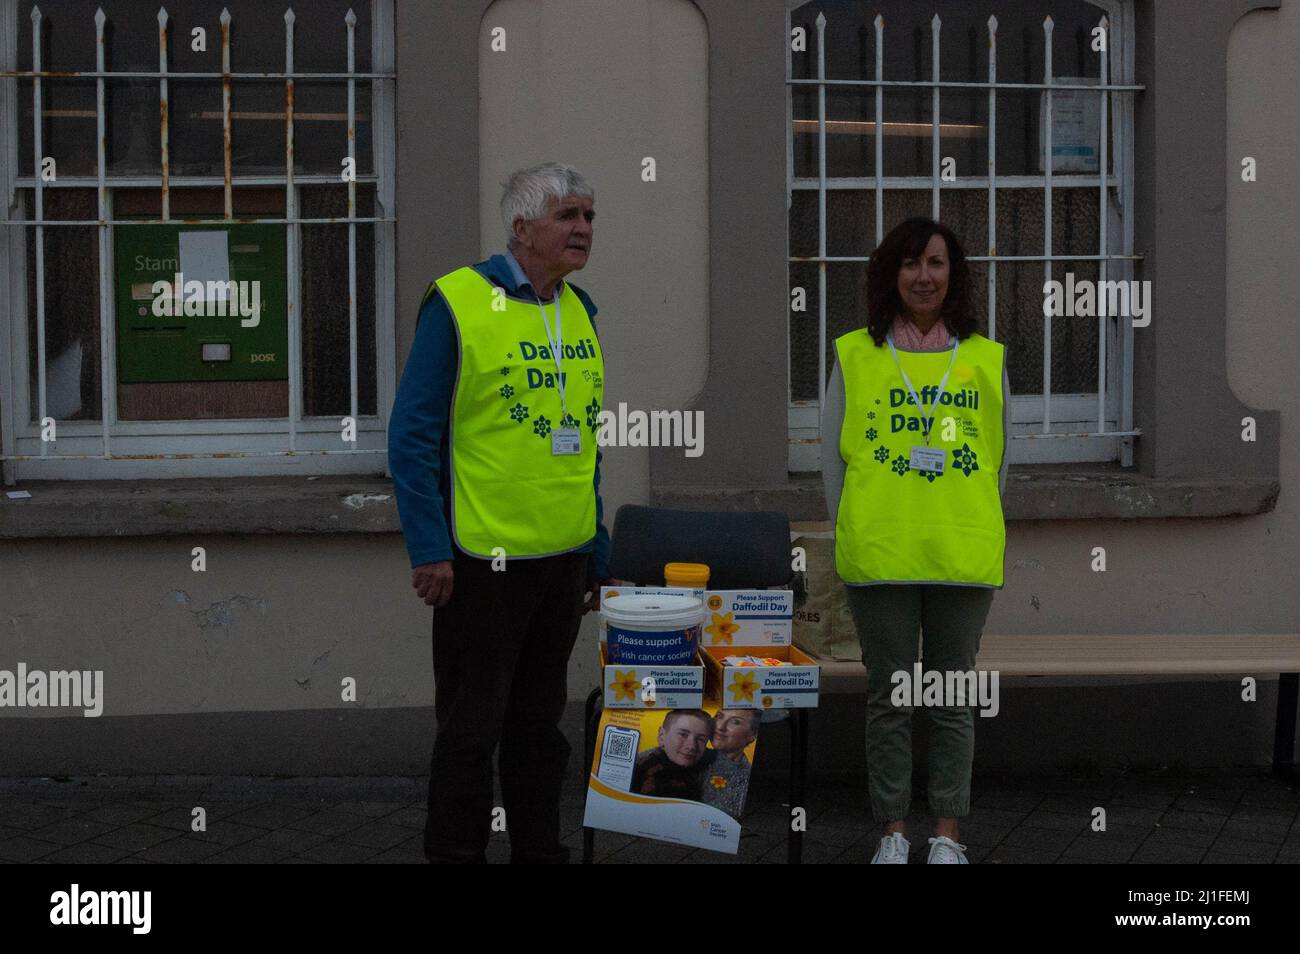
{"x": 944, "y": 110}
{"x": 196, "y": 246}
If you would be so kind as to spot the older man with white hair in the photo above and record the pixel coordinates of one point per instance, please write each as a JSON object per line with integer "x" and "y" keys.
{"x": 492, "y": 448}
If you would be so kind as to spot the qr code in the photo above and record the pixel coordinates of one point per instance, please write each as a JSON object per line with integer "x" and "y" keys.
{"x": 620, "y": 746}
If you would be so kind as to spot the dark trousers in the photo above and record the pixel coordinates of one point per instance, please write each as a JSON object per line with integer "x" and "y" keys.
{"x": 501, "y": 651}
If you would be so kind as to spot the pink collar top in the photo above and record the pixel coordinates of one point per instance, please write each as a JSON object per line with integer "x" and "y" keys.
{"x": 908, "y": 337}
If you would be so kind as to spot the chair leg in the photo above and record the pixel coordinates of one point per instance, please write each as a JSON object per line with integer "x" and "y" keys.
{"x": 589, "y": 735}
{"x": 798, "y": 774}
{"x": 1288, "y": 694}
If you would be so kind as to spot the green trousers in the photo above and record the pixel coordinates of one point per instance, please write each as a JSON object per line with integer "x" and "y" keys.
{"x": 949, "y": 620}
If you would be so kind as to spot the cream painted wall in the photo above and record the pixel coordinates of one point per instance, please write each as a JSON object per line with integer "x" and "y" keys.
{"x": 275, "y": 623}
{"x": 600, "y": 86}
{"x": 1263, "y": 230}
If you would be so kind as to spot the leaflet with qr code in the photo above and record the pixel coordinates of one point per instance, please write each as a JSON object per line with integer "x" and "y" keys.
{"x": 618, "y": 757}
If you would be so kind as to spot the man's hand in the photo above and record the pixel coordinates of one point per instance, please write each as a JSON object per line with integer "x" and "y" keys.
{"x": 432, "y": 582}
{"x": 592, "y": 599}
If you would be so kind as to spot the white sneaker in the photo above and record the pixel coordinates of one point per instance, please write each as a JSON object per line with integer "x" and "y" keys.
{"x": 945, "y": 851}
{"x": 892, "y": 851}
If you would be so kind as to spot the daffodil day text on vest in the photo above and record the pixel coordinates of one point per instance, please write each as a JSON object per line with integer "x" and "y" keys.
{"x": 964, "y": 398}
{"x": 542, "y": 378}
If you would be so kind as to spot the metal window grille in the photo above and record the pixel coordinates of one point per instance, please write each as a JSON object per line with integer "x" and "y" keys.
{"x": 250, "y": 439}
{"x": 1040, "y": 416}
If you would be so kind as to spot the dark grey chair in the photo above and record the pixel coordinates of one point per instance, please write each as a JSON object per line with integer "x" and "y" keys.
{"x": 743, "y": 550}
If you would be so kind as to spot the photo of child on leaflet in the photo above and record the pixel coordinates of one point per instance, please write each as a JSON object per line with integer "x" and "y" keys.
{"x": 701, "y": 757}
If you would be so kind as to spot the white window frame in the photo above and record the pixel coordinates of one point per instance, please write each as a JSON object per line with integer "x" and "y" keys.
{"x": 292, "y": 445}
{"x": 1045, "y": 427}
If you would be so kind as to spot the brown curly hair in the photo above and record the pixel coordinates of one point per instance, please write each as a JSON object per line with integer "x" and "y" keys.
{"x": 908, "y": 240}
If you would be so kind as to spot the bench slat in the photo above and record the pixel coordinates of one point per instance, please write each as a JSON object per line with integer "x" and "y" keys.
{"x": 1172, "y": 654}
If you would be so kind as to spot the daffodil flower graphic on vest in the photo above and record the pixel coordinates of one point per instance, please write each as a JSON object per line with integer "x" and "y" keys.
{"x": 743, "y": 687}
{"x": 965, "y": 460}
{"x": 718, "y": 782}
{"x": 723, "y": 627}
{"x": 625, "y": 685}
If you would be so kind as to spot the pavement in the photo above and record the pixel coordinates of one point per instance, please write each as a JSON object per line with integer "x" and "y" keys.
{"x": 1154, "y": 818}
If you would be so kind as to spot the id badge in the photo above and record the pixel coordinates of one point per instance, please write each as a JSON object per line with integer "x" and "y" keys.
{"x": 566, "y": 440}
{"x": 928, "y": 458}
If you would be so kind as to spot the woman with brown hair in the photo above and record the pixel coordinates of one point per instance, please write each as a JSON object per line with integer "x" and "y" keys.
{"x": 918, "y": 406}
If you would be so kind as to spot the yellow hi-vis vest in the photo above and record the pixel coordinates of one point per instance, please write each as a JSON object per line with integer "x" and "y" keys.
{"x": 900, "y": 525}
{"x": 507, "y": 489}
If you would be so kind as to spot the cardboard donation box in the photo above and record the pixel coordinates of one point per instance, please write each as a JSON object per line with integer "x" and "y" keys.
{"x": 765, "y": 671}
{"x": 652, "y": 687}
{"x": 748, "y": 617}
{"x": 767, "y": 677}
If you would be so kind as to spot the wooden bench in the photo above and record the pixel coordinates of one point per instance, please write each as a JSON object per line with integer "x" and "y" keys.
{"x": 1245, "y": 654}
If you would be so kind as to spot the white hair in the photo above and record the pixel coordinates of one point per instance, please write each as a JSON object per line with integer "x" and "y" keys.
{"x": 528, "y": 190}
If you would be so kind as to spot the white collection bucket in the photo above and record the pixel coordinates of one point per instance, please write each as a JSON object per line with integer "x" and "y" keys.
{"x": 652, "y": 630}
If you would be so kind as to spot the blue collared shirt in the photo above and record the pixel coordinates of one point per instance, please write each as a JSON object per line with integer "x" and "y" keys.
{"x": 521, "y": 280}
{"x": 418, "y": 450}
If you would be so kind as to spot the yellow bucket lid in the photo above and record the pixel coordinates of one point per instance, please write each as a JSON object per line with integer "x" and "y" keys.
{"x": 686, "y": 574}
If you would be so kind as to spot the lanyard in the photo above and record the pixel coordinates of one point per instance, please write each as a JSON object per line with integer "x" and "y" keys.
{"x": 557, "y": 345}
{"x": 928, "y": 419}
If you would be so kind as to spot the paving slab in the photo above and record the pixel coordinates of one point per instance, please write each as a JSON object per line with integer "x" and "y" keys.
{"x": 1152, "y": 818}
{"x": 135, "y": 837}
